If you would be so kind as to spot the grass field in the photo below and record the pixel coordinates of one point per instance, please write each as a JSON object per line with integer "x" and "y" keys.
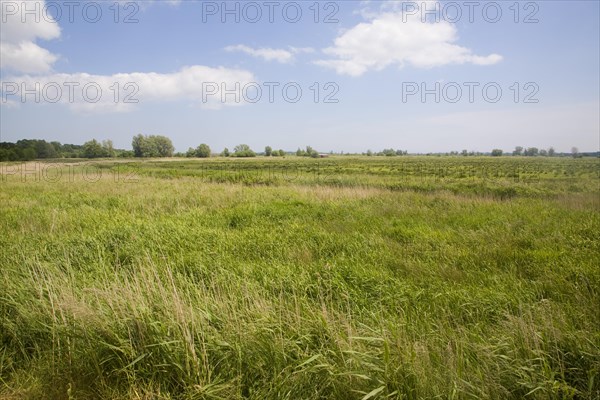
{"x": 339, "y": 278}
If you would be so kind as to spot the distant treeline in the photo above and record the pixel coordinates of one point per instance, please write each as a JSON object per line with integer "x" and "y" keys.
{"x": 519, "y": 151}
{"x": 32, "y": 149}
{"x": 161, "y": 146}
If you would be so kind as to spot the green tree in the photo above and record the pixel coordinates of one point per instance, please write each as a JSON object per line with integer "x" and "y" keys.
{"x": 551, "y": 152}
{"x": 532, "y": 151}
{"x": 138, "y": 144}
{"x": 125, "y": 154}
{"x": 109, "y": 149}
{"x": 243, "y": 150}
{"x": 28, "y": 154}
{"x": 310, "y": 152}
{"x": 225, "y": 152}
{"x": 497, "y": 153}
{"x": 163, "y": 144}
{"x": 57, "y": 147}
{"x": 203, "y": 151}
{"x": 93, "y": 149}
{"x": 268, "y": 151}
{"x": 574, "y": 152}
{"x": 152, "y": 146}
{"x": 44, "y": 149}
{"x": 518, "y": 151}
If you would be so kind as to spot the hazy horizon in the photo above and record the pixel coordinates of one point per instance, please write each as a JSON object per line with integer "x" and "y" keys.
{"x": 421, "y": 76}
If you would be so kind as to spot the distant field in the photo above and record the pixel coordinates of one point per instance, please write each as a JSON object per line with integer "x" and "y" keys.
{"x": 336, "y": 278}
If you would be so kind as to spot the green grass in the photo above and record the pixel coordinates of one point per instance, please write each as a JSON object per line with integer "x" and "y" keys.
{"x": 360, "y": 278}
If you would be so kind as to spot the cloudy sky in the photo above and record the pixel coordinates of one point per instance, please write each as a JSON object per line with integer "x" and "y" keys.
{"x": 342, "y": 76}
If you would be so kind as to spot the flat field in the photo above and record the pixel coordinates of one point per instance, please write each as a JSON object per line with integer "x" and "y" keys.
{"x": 337, "y": 278}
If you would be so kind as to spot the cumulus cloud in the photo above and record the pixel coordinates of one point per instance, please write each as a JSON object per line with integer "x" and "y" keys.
{"x": 201, "y": 85}
{"x": 268, "y": 54}
{"x": 26, "y": 57}
{"x": 19, "y": 31}
{"x": 393, "y": 38}
{"x": 33, "y": 80}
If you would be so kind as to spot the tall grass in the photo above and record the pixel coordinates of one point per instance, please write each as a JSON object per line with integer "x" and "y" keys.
{"x": 178, "y": 286}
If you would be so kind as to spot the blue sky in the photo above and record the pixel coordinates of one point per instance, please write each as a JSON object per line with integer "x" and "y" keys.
{"x": 178, "y": 54}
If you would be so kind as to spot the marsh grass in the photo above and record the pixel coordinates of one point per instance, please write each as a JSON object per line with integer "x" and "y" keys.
{"x": 173, "y": 284}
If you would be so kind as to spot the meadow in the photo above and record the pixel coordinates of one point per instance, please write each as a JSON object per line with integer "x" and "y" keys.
{"x": 294, "y": 278}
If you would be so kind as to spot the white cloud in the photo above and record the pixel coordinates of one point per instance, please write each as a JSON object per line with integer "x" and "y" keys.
{"x": 300, "y": 50}
{"x": 394, "y": 38}
{"x": 268, "y": 54}
{"x": 34, "y": 82}
{"x": 18, "y": 50}
{"x": 26, "y": 57}
{"x": 197, "y": 84}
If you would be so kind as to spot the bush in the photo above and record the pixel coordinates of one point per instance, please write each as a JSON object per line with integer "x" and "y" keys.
{"x": 243, "y": 150}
